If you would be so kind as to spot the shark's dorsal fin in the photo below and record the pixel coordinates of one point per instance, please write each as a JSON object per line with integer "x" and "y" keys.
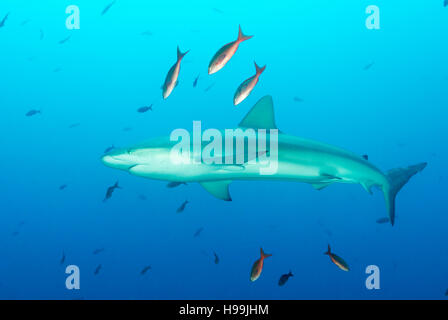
{"x": 219, "y": 189}
{"x": 261, "y": 116}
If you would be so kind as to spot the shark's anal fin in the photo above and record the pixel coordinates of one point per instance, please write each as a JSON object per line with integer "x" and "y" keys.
{"x": 321, "y": 185}
{"x": 367, "y": 187}
{"x": 219, "y": 189}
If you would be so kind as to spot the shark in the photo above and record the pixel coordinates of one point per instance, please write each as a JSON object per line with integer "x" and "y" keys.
{"x": 298, "y": 160}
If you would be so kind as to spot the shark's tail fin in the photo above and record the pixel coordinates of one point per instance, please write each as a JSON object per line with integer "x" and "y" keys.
{"x": 397, "y": 179}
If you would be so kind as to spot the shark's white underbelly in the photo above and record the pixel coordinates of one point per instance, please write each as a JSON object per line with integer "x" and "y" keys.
{"x": 298, "y": 160}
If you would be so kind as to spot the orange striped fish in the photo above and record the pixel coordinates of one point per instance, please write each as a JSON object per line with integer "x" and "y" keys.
{"x": 247, "y": 86}
{"x": 258, "y": 266}
{"x": 337, "y": 260}
{"x": 224, "y": 54}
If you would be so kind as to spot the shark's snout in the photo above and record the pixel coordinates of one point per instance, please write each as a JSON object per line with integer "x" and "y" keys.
{"x": 118, "y": 159}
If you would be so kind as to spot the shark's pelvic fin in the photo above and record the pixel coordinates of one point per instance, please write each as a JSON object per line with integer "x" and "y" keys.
{"x": 219, "y": 189}
{"x": 261, "y": 116}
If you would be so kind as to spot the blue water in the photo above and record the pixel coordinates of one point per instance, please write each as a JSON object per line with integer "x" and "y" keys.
{"x": 314, "y": 50}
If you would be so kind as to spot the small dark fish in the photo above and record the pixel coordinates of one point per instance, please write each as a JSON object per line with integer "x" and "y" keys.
{"x": 63, "y": 258}
{"x": 112, "y": 147}
{"x": 382, "y": 220}
{"x": 297, "y": 99}
{"x": 182, "y": 207}
{"x": 15, "y": 233}
{"x": 2, "y": 23}
{"x": 111, "y": 190}
{"x": 174, "y": 184}
{"x": 57, "y": 69}
{"x": 144, "y": 109}
{"x": 142, "y": 197}
{"x": 218, "y": 10}
{"x": 365, "y": 156}
{"x": 145, "y": 269}
{"x": 216, "y": 257}
{"x": 96, "y": 251}
{"x": 368, "y": 66}
{"x": 74, "y": 125}
{"x": 32, "y": 113}
{"x": 106, "y": 8}
{"x": 284, "y": 278}
{"x": 65, "y": 40}
{"x": 41, "y": 37}
{"x": 146, "y": 33}
{"x": 195, "y": 82}
{"x": 127, "y": 129}
{"x": 337, "y": 260}
{"x": 62, "y": 187}
{"x": 97, "y": 270}
{"x": 198, "y": 232}
{"x": 209, "y": 87}
{"x": 25, "y": 22}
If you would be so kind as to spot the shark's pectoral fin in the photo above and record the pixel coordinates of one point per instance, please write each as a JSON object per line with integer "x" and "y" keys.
{"x": 219, "y": 189}
{"x": 321, "y": 185}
